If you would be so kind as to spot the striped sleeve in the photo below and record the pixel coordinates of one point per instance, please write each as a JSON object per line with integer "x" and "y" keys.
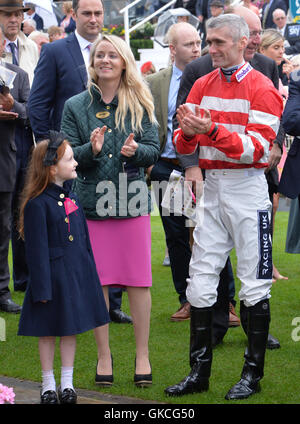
{"x": 252, "y": 144}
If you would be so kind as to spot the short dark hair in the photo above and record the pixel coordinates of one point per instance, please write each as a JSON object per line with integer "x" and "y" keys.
{"x": 75, "y": 5}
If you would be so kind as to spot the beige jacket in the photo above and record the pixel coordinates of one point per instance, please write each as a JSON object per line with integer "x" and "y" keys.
{"x": 28, "y": 55}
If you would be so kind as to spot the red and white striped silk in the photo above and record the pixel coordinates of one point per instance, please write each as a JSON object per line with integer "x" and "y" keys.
{"x": 247, "y": 111}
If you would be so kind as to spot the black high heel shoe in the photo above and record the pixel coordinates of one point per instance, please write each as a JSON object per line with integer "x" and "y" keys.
{"x": 142, "y": 380}
{"x": 104, "y": 380}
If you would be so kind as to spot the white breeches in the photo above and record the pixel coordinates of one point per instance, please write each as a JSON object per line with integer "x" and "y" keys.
{"x": 237, "y": 213}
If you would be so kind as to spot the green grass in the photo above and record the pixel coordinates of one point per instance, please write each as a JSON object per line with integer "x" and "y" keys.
{"x": 169, "y": 342}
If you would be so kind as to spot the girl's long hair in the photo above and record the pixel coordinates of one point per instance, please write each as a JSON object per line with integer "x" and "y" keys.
{"x": 134, "y": 94}
{"x": 38, "y": 177}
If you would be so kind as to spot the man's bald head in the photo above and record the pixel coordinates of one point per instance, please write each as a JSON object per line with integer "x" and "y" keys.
{"x": 254, "y": 25}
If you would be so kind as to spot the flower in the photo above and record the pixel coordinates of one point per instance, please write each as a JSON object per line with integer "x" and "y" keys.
{"x": 7, "y": 394}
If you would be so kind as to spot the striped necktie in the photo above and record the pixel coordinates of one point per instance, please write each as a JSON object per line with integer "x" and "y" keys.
{"x": 13, "y": 49}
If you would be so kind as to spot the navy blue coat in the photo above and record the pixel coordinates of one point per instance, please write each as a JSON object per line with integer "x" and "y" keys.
{"x": 61, "y": 269}
{"x": 59, "y": 75}
{"x": 290, "y": 179}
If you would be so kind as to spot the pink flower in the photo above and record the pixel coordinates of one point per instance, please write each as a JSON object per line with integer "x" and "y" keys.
{"x": 6, "y": 394}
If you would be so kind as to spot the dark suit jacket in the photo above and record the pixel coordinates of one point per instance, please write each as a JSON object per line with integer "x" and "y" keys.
{"x": 59, "y": 75}
{"x": 20, "y": 93}
{"x": 277, "y": 4}
{"x": 290, "y": 179}
{"x": 39, "y": 22}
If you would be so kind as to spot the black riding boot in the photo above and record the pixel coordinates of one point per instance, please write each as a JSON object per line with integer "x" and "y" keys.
{"x": 272, "y": 342}
{"x": 253, "y": 370}
{"x": 200, "y": 354}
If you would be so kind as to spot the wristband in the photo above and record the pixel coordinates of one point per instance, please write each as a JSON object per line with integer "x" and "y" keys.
{"x": 212, "y": 131}
{"x": 187, "y": 137}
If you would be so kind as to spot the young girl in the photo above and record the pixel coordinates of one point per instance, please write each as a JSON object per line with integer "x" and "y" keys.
{"x": 64, "y": 295}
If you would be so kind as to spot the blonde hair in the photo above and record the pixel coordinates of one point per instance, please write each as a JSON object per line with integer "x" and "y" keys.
{"x": 269, "y": 37}
{"x": 133, "y": 93}
{"x": 67, "y": 6}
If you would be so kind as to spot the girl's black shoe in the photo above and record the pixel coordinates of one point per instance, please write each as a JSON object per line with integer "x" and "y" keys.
{"x": 49, "y": 398}
{"x": 67, "y": 396}
{"x": 143, "y": 380}
{"x": 104, "y": 380}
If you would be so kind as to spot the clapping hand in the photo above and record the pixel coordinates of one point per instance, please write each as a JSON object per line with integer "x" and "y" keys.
{"x": 193, "y": 123}
{"x": 97, "y": 139}
{"x": 130, "y": 146}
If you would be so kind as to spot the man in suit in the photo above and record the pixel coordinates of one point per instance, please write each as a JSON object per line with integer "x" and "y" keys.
{"x": 61, "y": 73}
{"x": 192, "y": 72}
{"x": 280, "y": 18}
{"x": 18, "y": 49}
{"x": 31, "y": 14}
{"x": 184, "y": 44}
{"x": 23, "y": 52}
{"x": 13, "y": 111}
{"x": 267, "y": 12}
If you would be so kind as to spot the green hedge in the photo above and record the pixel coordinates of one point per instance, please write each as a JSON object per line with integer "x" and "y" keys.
{"x": 140, "y": 44}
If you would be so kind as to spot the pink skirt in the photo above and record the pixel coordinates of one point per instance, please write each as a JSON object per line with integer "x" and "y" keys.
{"x": 122, "y": 251}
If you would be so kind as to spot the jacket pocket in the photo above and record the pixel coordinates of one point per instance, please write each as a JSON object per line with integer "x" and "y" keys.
{"x": 55, "y": 253}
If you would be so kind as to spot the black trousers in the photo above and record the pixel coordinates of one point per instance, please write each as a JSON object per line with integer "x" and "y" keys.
{"x": 176, "y": 233}
{"x": 5, "y": 227}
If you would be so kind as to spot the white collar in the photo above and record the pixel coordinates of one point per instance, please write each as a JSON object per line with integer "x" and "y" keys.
{"x": 7, "y": 43}
{"x": 83, "y": 43}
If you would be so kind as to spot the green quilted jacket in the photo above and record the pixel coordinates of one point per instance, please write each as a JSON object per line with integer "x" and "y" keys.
{"x": 109, "y": 184}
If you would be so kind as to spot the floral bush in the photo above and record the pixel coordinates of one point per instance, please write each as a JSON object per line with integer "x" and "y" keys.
{"x": 6, "y": 394}
{"x": 145, "y": 32}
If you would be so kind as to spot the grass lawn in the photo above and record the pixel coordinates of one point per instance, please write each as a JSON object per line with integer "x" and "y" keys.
{"x": 169, "y": 341}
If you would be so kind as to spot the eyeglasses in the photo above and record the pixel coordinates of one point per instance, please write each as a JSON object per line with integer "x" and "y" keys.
{"x": 280, "y": 18}
{"x": 255, "y": 33}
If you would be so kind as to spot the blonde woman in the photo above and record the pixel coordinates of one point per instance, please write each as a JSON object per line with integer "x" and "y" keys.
{"x": 113, "y": 132}
{"x": 272, "y": 46}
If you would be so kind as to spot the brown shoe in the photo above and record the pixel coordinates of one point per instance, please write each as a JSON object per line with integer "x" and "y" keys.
{"x": 183, "y": 313}
{"x": 234, "y": 320}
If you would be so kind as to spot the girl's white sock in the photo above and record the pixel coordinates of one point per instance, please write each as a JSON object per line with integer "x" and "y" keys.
{"x": 66, "y": 381}
{"x": 48, "y": 381}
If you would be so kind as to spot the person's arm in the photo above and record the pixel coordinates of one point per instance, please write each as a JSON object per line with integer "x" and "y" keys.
{"x": 42, "y": 94}
{"x": 291, "y": 114}
{"x": 148, "y": 147}
{"x": 248, "y": 148}
{"x": 82, "y": 147}
{"x": 21, "y": 104}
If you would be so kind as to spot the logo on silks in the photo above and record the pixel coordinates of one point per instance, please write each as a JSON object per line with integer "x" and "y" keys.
{"x": 265, "y": 266}
{"x": 295, "y": 10}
